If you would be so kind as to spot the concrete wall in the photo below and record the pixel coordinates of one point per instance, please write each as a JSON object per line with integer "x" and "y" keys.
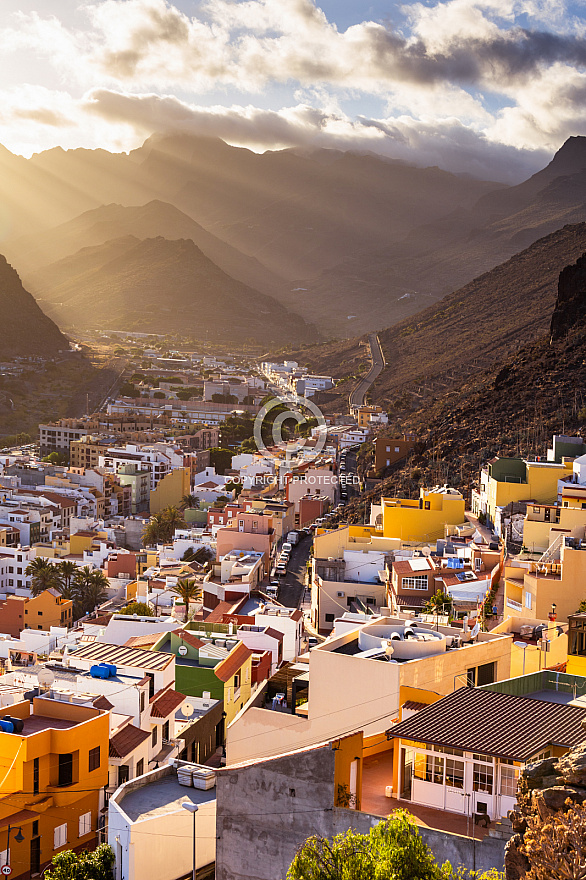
{"x": 266, "y": 811}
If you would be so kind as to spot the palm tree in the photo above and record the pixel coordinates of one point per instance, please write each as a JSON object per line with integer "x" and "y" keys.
{"x": 67, "y": 571}
{"x": 153, "y": 532}
{"x": 191, "y": 501}
{"x": 173, "y": 519}
{"x": 189, "y": 590}
{"x": 82, "y": 580}
{"x": 43, "y": 575}
{"x": 95, "y": 592}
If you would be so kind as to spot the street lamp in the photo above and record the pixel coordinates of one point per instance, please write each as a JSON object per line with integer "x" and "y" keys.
{"x": 19, "y": 837}
{"x": 192, "y": 808}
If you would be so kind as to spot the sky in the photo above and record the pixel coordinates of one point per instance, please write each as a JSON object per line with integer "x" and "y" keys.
{"x": 486, "y": 87}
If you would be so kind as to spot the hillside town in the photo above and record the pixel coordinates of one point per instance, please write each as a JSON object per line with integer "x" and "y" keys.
{"x": 199, "y": 643}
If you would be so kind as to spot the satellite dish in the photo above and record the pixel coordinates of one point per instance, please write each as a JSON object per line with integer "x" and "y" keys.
{"x": 182, "y": 650}
{"x": 46, "y": 677}
{"x": 426, "y": 551}
{"x": 475, "y": 630}
{"x": 187, "y": 710}
{"x": 520, "y": 645}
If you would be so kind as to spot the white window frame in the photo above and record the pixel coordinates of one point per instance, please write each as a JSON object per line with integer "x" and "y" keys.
{"x": 417, "y": 582}
{"x": 85, "y": 824}
{"x": 60, "y": 836}
{"x": 528, "y": 600}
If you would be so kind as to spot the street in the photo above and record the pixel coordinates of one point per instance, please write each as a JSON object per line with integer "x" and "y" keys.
{"x": 358, "y": 396}
{"x": 293, "y": 584}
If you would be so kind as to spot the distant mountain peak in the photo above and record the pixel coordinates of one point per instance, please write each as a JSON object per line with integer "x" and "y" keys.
{"x": 570, "y": 158}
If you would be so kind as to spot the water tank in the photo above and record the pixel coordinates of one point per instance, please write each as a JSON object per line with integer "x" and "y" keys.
{"x": 6, "y": 726}
{"x": 99, "y": 672}
{"x": 112, "y": 670}
{"x": 231, "y": 643}
{"x": 17, "y": 723}
{"x": 221, "y": 643}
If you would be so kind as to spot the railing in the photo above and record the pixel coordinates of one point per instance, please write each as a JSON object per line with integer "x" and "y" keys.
{"x": 552, "y": 554}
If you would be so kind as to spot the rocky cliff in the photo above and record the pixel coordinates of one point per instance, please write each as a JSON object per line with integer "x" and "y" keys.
{"x": 26, "y": 329}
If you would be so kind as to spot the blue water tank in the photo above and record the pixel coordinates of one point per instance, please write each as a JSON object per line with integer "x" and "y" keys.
{"x": 99, "y": 672}
{"x": 17, "y": 723}
{"x": 112, "y": 670}
{"x": 6, "y": 726}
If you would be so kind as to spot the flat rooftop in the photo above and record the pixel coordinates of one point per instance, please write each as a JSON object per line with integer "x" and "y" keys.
{"x": 161, "y": 797}
{"x": 37, "y": 723}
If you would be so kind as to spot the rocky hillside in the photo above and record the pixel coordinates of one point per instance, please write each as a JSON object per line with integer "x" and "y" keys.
{"x": 511, "y": 409}
{"x": 26, "y": 330}
{"x": 465, "y": 334}
{"x": 159, "y": 286}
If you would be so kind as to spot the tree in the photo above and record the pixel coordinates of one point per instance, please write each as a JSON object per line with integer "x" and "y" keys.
{"x": 189, "y": 591}
{"x": 234, "y": 486}
{"x": 190, "y": 501}
{"x": 96, "y": 865}
{"x": 89, "y": 589}
{"x": 439, "y": 603}
{"x": 161, "y": 526}
{"x": 43, "y": 574}
{"x": 392, "y": 850}
{"x": 220, "y": 459}
{"x": 67, "y": 570}
{"x": 142, "y": 609}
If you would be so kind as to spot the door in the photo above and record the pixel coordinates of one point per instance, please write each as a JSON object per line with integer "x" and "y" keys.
{"x": 123, "y": 774}
{"x": 408, "y": 755}
{"x": 353, "y": 785}
{"x": 35, "y": 855}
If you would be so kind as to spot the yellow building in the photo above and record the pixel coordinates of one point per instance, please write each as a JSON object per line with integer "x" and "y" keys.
{"x": 52, "y": 773}
{"x": 170, "y": 490}
{"x": 513, "y": 479}
{"x": 236, "y": 673}
{"x": 545, "y": 522}
{"x": 48, "y": 609}
{"x": 422, "y": 519}
{"x": 84, "y": 540}
{"x": 558, "y": 579}
{"x": 576, "y": 664}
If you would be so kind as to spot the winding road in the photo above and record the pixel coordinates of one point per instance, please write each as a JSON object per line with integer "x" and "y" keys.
{"x": 377, "y": 357}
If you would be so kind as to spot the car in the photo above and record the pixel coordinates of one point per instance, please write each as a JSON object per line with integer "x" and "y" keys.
{"x": 281, "y": 570}
{"x": 312, "y": 642}
{"x": 275, "y": 584}
{"x": 287, "y": 547}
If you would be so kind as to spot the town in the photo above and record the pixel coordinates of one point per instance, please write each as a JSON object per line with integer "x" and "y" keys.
{"x": 198, "y": 641}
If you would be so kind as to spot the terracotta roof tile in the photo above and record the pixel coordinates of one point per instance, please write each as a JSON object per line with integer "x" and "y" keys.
{"x": 233, "y": 662}
{"x": 143, "y": 641}
{"x": 274, "y": 633}
{"x": 465, "y": 720}
{"x": 126, "y": 740}
{"x": 216, "y": 615}
{"x": 102, "y": 703}
{"x": 167, "y": 703}
{"x": 189, "y": 638}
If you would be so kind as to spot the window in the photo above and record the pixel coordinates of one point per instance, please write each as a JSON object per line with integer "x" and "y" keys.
{"x": 415, "y": 583}
{"x": 60, "y": 836}
{"x": 509, "y": 776}
{"x": 237, "y": 681}
{"x": 330, "y": 618}
{"x": 65, "y": 770}
{"x": 482, "y": 776}
{"x": 429, "y": 768}
{"x": 528, "y": 600}
{"x": 140, "y": 767}
{"x": 94, "y": 758}
{"x": 36, "y": 776}
{"x": 254, "y": 525}
{"x": 142, "y": 701}
{"x": 397, "y": 449}
{"x": 85, "y": 824}
{"x": 455, "y": 773}
{"x": 154, "y": 736}
{"x": 35, "y": 830}
{"x": 165, "y": 731}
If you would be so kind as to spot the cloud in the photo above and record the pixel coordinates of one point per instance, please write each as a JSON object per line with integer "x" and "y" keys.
{"x": 449, "y": 144}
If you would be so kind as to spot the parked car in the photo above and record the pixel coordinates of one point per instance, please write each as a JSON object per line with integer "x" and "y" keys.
{"x": 287, "y": 547}
{"x": 312, "y": 642}
{"x": 293, "y": 537}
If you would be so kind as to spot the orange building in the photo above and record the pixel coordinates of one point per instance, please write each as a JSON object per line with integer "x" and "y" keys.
{"x": 47, "y": 609}
{"x": 53, "y": 767}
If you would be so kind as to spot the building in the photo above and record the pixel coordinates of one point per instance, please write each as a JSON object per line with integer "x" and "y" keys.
{"x": 505, "y": 480}
{"x": 388, "y": 451}
{"x": 423, "y": 519}
{"x": 47, "y": 609}
{"x": 355, "y": 682}
{"x": 451, "y": 756}
{"x": 56, "y": 768}
{"x": 152, "y": 835}
{"x": 170, "y": 490}
{"x": 551, "y": 585}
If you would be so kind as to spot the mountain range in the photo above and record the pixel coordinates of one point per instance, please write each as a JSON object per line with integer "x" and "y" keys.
{"x": 343, "y": 241}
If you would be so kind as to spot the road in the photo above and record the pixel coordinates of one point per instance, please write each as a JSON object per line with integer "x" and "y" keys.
{"x": 293, "y": 584}
{"x": 378, "y": 363}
